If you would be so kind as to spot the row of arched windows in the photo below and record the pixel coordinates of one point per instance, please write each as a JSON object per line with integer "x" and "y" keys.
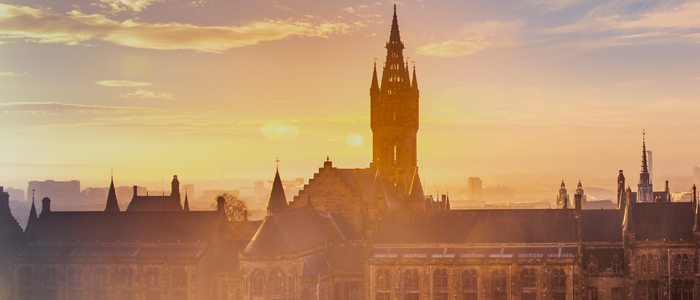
{"x": 411, "y": 282}
{"x": 276, "y": 286}
{"x": 682, "y": 264}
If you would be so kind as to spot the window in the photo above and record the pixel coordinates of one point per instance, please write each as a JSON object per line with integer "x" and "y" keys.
{"x": 592, "y": 293}
{"x": 470, "y": 289}
{"x": 292, "y": 285}
{"x": 25, "y": 282}
{"x": 528, "y": 284}
{"x": 682, "y": 290}
{"x": 275, "y": 284}
{"x": 651, "y": 268}
{"x": 258, "y": 284}
{"x": 50, "y": 277}
{"x": 126, "y": 277}
{"x": 499, "y": 284}
{"x": 383, "y": 285}
{"x": 152, "y": 283}
{"x": 100, "y": 291}
{"x": 685, "y": 264}
{"x": 644, "y": 263}
{"x": 647, "y": 290}
{"x": 558, "y": 284}
{"x": 411, "y": 280}
{"x": 653, "y": 291}
{"x": 75, "y": 284}
{"x": 179, "y": 284}
{"x": 676, "y": 265}
{"x": 592, "y": 266}
{"x": 440, "y": 284}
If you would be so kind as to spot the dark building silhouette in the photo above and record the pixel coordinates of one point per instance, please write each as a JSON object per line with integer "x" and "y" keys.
{"x": 157, "y": 203}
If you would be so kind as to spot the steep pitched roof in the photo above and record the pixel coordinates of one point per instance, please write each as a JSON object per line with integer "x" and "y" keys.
{"x": 416, "y": 194}
{"x": 288, "y": 230}
{"x": 9, "y": 228}
{"x": 277, "y": 198}
{"x": 601, "y": 225}
{"x": 477, "y": 226}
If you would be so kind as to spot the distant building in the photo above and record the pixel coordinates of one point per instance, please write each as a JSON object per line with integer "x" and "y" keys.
{"x": 563, "y": 197}
{"x": 161, "y": 202}
{"x": 475, "y": 186}
{"x": 63, "y": 192}
{"x": 499, "y": 194}
{"x": 15, "y": 194}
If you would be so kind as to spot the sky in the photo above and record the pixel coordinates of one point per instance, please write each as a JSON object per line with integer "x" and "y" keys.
{"x": 206, "y": 89}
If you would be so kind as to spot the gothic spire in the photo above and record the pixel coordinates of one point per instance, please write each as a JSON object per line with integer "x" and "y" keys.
{"x": 375, "y": 82}
{"x": 645, "y": 166}
{"x": 394, "y": 37}
{"x": 187, "y": 204}
{"x": 277, "y": 198}
{"x": 395, "y": 76}
{"x": 414, "y": 81}
{"x": 33, "y": 218}
{"x": 112, "y": 204}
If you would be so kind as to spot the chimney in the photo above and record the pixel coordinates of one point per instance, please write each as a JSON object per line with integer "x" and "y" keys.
{"x": 135, "y": 192}
{"x": 221, "y": 204}
{"x": 45, "y": 206}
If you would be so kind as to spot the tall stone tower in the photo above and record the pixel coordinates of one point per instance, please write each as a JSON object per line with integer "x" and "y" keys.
{"x": 394, "y": 115}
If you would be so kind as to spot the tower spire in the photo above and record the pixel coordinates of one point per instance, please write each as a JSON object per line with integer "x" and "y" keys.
{"x": 112, "y": 203}
{"x": 414, "y": 81}
{"x": 187, "y": 203}
{"x": 645, "y": 192}
{"x": 33, "y": 218}
{"x": 375, "y": 81}
{"x": 645, "y": 166}
{"x": 277, "y": 198}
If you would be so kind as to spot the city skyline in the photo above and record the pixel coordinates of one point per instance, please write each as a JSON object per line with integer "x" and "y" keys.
{"x": 554, "y": 89}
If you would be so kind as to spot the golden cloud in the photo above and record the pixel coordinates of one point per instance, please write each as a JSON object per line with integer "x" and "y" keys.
{"x": 147, "y": 94}
{"x": 45, "y": 26}
{"x": 12, "y": 74}
{"x": 119, "y": 83}
{"x": 51, "y": 108}
{"x": 476, "y": 37}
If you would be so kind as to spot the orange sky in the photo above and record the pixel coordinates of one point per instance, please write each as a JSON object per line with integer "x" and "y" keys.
{"x": 151, "y": 88}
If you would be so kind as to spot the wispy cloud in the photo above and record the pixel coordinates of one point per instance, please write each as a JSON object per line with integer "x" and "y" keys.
{"x": 75, "y": 27}
{"x": 554, "y": 5}
{"x": 12, "y": 74}
{"x": 50, "y": 108}
{"x": 476, "y": 37}
{"x": 135, "y": 5}
{"x": 147, "y": 94}
{"x": 666, "y": 21}
{"x": 120, "y": 83}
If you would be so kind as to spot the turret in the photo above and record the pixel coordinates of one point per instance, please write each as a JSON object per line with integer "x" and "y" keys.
{"x": 175, "y": 185}
{"x": 45, "y": 206}
{"x": 577, "y": 200}
{"x": 621, "y": 191}
{"x": 33, "y": 218}
{"x": 694, "y": 196}
{"x": 628, "y": 224}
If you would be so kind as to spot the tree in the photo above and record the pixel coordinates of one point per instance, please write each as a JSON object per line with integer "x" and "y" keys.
{"x": 236, "y": 209}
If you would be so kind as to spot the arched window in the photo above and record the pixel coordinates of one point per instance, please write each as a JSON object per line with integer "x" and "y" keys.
{"x": 126, "y": 277}
{"x": 292, "y": 285}
{"x": 651, "y": 264}
{"x": 50, "y": 277}
{"x": 258, "y": 284}
{"x": 558, "y": 284}
{"x": 499, "y": 285}
{"x": 152, "y": 277}
{"x": 75, "y": 283}
{"x": 411, "y": 280}
{"x": 99, "y": 282}
{"x": 643, "y": 259}
{"x": 685, "y": 264}
{"x": 681, "y": 290}
{"x": 25, "y": 276}
{"x": 528, "y": 284}
{"x": 676, "y": 266}
{"x": 179, "y": 277}
{"x": 470, "y": 290}
{"x": 383, "y": 285}
{"x": 653, "y": 291}
{"x": 641, "y": 290}
{"x": 275, "y": 284}
{"x": 440, "y": 284}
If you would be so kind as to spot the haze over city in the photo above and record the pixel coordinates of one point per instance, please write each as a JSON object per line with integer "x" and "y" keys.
{"x": 515, "y": 92}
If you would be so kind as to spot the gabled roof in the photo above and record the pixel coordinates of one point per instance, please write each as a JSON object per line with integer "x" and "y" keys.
{"x": 602, "y": 225}
{"x": 477, "y": 226}
{"x": 288, "y": 230}
{"x": 9, "y": 228}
